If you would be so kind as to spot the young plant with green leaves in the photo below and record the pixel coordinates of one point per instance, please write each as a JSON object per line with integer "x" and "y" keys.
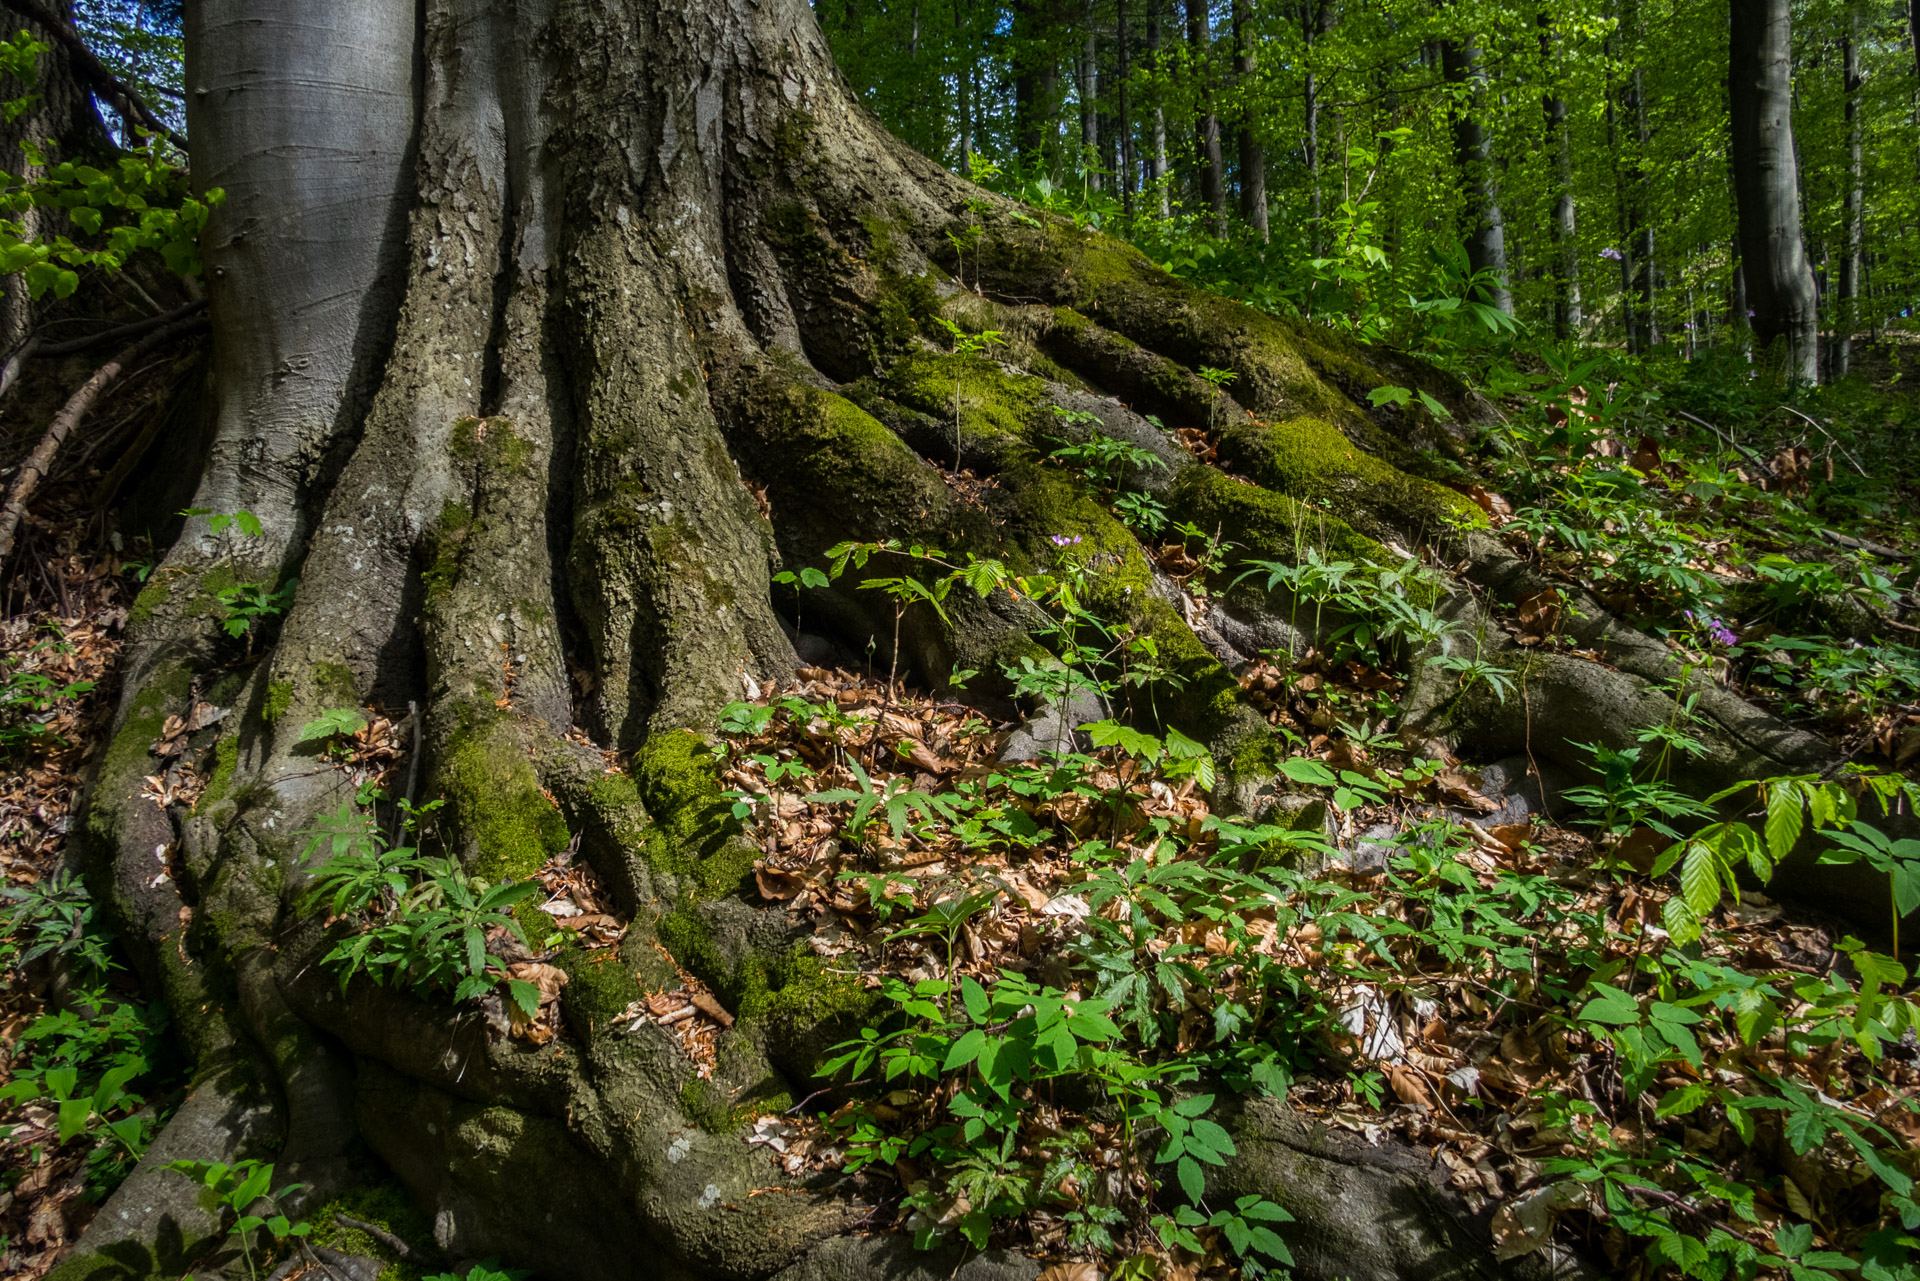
{"x": 414, "y": 919}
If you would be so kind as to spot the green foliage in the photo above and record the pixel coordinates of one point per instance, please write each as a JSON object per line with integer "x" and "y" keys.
{"x": 485, "y": 1270}
{"x": 28, "y": 695}
{"x": 93, "y": 1071}
{"x": 335, "y": 722}
{"x": 415, "y": 919}
{"x": 245, "y": 608}
{"x": 137, "y": 203}
{"x": 54, "y": 917}
{"x": 237, "y": 1191}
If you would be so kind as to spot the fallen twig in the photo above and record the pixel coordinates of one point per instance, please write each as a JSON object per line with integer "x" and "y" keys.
{"x": 1814, "y": 423}
{"x": 397, "y": 1244}
{"x": 131, "y": 329}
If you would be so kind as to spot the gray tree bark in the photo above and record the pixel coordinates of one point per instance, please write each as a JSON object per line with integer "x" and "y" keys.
{"x": 1567, "y": 318}
{"x": 1766, "y": 188}
{"x": 1206, "y": 127}
{"x": 1252, "y": 155}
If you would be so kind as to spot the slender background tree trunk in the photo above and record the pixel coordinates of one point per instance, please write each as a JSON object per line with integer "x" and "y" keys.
{"x": 1483, "y": 227}
{"x": 1853, "y": 204}
{"x": 1779, "y": 280}
{"x": 1253, "y": 156}
{"x": 1212, "y": 164}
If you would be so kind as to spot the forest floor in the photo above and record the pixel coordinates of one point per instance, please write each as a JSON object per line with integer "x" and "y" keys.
{"x": 1440, "y": 961}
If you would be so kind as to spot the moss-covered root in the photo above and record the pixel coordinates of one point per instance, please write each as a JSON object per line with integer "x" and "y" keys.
{"x": 1283, "y": 368}
{"x": 506, "y": 825}
{"x": 489, "y": 626}
{"x": 669, "y": 560}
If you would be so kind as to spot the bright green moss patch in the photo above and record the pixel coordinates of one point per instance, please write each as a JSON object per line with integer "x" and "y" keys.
{"x": 385, "y": 1205}
{"x": 679, "y": 783}
{"x": 279, "y": 699}
{"x": 798, "y": 990}
{"x": 993, "y": 403}
{"x": 498, "y": 798}
{"x": 1312, "y": 460}
{"x": 1266, "y": 525}
{"x": 226, "y": 757}
{"x": 151, "y": 598}
{"x": 599, "y": 989}
{"x": 707, "y": 1107}
{"x": 449, "y": 534}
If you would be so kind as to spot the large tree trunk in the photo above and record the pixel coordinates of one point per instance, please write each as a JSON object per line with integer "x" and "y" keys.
{"x": 1766, "y": 187}
{"x": 594, "y": 314}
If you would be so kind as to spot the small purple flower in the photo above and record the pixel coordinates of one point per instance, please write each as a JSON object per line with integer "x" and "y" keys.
{"x": 1751, "y": 313}
{"x": 1063, "y": 540}
{"x": 1718, "y": 632}
{"x": 1614, "y": 254}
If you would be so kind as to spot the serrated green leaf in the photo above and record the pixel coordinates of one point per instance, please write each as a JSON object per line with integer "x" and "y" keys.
{"x": 1700, "y": 880}
{"x": 334, "y": 721}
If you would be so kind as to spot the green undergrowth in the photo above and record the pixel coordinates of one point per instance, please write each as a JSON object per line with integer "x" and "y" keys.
{"x": 1213, "y": 956}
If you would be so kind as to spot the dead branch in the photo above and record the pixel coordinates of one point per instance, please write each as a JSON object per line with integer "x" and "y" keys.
{"x": 397, "y": 1244}
{"x": 40, "y": 461}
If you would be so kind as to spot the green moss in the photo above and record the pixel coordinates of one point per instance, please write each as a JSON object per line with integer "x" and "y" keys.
{"x": 704, "y": 1105}
{"x": 1259, "y": 756}
{"x": 385, "y": 1205}
{"x": 335, "y": 684}
{"x": 279, "y": 699}
{"x": 1311, "y": 459}
{"x": 679, "y": 782}
{"x": 791, "y": 136}
{"x": 498, "y": 798}
{"x": 1266, "y": 525}
{"x": 126, "y": 756}
{"x": 226, "y": 757}
{"x": 616, "y": 799}
{"x": 674, "y": 542}
{"x": 227, "y": 688}
{"x": 993, "y": 403}
{"x": 798, "y": 990}
{"x": 685, "y": 934}
{"x": 151, "y": 598}
{"x": 449, "y": 534}
{"x": 206, "y": 598}
{"x": 599, "y": 989}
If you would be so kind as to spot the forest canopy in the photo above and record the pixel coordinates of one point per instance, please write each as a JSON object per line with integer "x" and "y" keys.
{"x": 1605, "y": 131}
